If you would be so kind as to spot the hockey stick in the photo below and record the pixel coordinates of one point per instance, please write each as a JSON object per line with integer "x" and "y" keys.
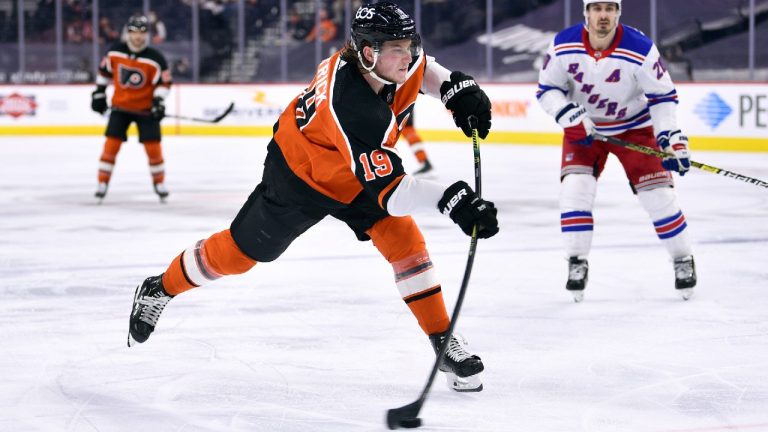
{"x": 407, "y": 416}
{"x": 181, "y": 117}
{"x": 661, "y": 154}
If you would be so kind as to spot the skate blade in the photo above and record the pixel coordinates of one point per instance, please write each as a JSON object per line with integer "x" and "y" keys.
{"x": 685, "y": 293}
{"x": 578, "y": 295}
{"x": 131, "y": 340}
{"x": 463, "y": 384}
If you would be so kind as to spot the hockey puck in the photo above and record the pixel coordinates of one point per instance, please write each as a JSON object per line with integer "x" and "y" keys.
{"x": 410, "y": 423}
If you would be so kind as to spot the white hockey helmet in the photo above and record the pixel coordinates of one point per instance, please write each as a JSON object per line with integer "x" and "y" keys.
{"x": 589, "y": 2}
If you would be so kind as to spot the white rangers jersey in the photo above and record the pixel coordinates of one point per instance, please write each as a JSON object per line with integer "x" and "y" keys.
{"x": 624, "y": 87}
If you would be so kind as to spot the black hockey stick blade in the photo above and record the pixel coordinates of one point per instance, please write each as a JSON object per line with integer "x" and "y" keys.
{"x": 216, "y": 119}
{"x": 202, "y": 120}
{"x": 405, "y": 417}
{"x": 225, "y": 113}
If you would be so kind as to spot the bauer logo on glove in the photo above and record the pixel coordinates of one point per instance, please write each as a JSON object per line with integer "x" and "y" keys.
{"x": 468, "y": 103}
{"x": 453, "y": 201}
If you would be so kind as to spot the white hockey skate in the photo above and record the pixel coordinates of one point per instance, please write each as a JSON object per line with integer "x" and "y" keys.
{"x": 101, "y": 191}
{"x": 578, "y": 275}
{"x": 685, "y": 276}
{"x": 462, "y": 369}
{"x": 161, "y": 191}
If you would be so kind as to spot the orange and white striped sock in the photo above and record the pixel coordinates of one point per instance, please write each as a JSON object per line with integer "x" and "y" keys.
{"x": 108, "y": 158}
{"x": 206, "y": 261}
{"x": 156, "y": 163}
{"x": 400, "y": 241}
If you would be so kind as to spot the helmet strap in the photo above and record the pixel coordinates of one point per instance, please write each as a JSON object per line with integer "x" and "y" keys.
{"x": 373, "y": 65}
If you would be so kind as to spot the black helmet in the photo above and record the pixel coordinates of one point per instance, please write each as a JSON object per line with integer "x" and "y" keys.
{"x": 138, "y": 24}
{"x": 384, "y": 21}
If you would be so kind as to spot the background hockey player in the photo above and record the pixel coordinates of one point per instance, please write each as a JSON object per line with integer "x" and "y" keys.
{"x": 417, "y": 147}
{"x": 332, "y": 154}
{"x": 141, "y": 80}
{"x": 608, "y": 78}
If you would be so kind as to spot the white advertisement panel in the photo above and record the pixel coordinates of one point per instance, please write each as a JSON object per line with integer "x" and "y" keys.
{"x": 727, "y": 116}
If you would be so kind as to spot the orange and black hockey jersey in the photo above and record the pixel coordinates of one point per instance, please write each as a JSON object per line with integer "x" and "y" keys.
{"x": 133, "y": 75}
{"x": 339, "y": 136}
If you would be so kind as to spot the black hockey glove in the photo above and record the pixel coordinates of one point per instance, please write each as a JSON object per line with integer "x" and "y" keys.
{"x": 467, "y": 209}
{"x": 158, "y": 108}
{"x": 99, "y": 99}
{"x": 469, "y": 104}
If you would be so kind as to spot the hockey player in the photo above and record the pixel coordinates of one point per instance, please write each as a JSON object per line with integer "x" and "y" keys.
{"x": 141, "y": 80}
{"x": 608, "y": 78}
{"x": 332, "y": 154}
{"x": 417, "y": 147}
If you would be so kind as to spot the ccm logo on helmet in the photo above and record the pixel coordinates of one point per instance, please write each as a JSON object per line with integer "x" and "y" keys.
{"x": 454, "y": 200}
{"x": 457, "y": 88}
{"x": 364, "y": 13}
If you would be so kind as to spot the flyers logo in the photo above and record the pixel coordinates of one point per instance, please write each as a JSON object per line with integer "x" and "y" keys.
{"x": 130, "y": 77}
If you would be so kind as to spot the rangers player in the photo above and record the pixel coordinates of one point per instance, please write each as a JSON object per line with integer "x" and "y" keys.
{"x": 608, "y": 78}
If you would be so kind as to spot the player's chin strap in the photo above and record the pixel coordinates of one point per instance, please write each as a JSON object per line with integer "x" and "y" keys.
{"x": 373, "y": 65}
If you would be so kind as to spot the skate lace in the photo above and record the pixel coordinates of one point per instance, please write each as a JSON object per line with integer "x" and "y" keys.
{"x": 456, "y": 349}
{"x": 577, "y": 271}
{"x": 683, "y": 269}
{"x": 153, "y": 307}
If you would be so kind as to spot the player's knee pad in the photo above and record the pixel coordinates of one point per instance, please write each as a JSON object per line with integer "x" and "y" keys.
{"x": 659, "y": 203}
{"x": 397, "y": 238}
{"x": 111, "y": 148}
{"x": 577, "y": 192}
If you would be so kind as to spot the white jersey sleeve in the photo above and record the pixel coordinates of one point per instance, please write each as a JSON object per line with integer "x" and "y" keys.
{"x": 434, "y": 76}
{"x": 553, "y": 83}
{"x": 659, "y": 89}
{"x": 414, "y": 196}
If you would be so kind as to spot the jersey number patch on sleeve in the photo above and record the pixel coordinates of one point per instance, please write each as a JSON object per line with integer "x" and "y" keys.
{"x": 382, "y": 164}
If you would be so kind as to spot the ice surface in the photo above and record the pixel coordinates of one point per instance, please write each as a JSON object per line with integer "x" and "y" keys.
{"x": 320, "y": 341}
